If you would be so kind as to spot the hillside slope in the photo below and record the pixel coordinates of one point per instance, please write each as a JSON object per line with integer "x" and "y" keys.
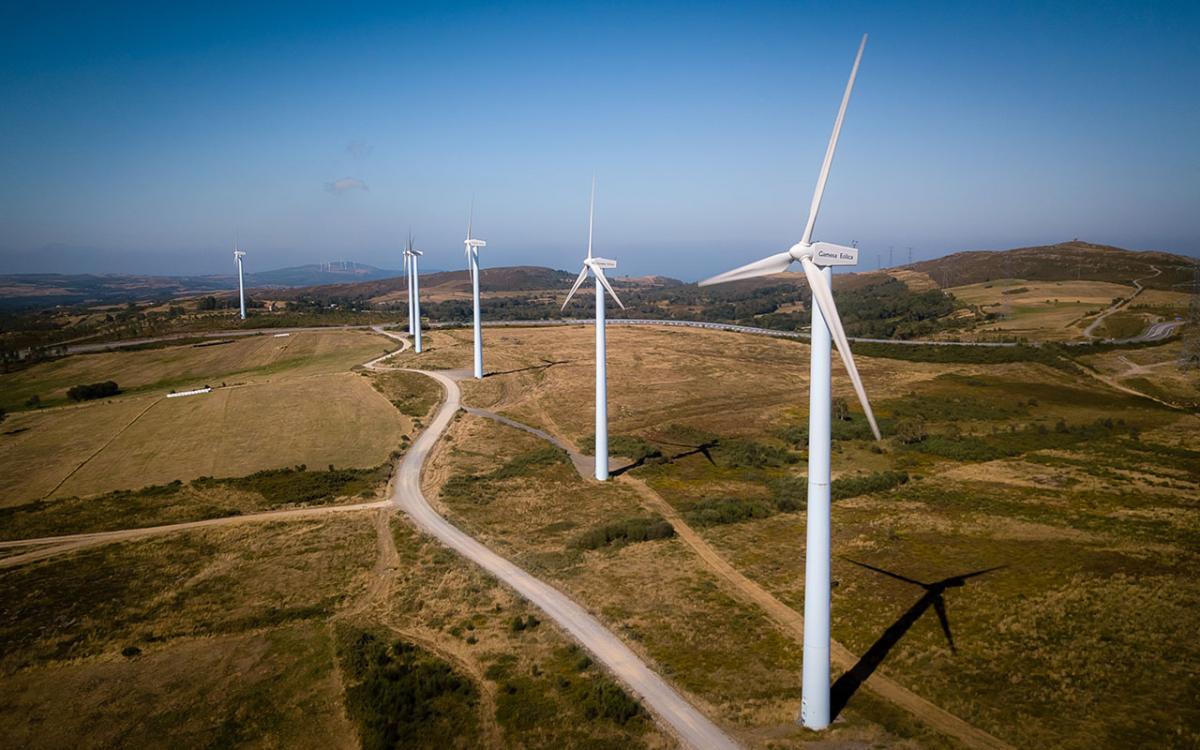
{"x": 1065, "y": 261}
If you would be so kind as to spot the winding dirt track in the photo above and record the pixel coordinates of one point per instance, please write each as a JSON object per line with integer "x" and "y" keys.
{"x": 785, "y": 618}
{"x": 679, "y": 716}
{"x": 660, "y": 698}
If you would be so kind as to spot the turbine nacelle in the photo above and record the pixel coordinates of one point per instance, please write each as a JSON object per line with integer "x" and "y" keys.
{"x": 239, "y": 254}
{"x": 600, "y": 263}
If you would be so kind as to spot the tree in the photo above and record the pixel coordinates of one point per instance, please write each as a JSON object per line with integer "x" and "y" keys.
{"x": 911, "y": 430}
{"x": 841, "y": 409}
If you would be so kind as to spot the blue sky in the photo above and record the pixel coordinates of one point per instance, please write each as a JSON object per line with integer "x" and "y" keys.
{"x": 145, "y": 137}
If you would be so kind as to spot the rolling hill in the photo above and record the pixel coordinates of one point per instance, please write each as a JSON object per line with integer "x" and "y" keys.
{"x": 1064, "y": 261}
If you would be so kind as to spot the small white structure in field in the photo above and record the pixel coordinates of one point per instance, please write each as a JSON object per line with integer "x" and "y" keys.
{"x": 194, "y": 392}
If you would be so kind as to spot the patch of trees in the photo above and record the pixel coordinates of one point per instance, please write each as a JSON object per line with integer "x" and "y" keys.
{"x": 1048, "y": 354}
{"x": 1019, "y": 440}
{"x": 403, "y": 696}
{"x": 627, "y": 531}
{"x": 91, "y": 391}
{"x": 890, "y": 309}
{"x": 299, "y": 485}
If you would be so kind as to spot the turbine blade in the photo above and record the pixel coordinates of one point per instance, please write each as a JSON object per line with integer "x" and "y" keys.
{"x": 470, "y": 217}
{"x": 824, "y": 298}
{"x": 815, "y": 207}
{"x": 591, "y": 215}
{"x": 888, "y": 573}
{"x": 575, "y": 288}
{"x": 777, "y": 263}
{"x": 604, "y": 282}
{"x": 939, "y": 606}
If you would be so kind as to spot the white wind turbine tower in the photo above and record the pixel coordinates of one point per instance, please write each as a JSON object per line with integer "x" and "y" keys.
{"x": 816, "y": 259}
{"x": 412, "y": 330}
{"x": 597, "y": 266}
{"x": 472, "y": 247}
{"x": 408, "y": 279}
{"x": 237, "y": 256}
{"x": 414, "y": 292}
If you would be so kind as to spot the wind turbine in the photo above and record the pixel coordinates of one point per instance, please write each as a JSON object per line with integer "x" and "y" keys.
{"x": 237, "y": 256}
{"x": 817, "y": 258}
{"x": 597, "y": 266}
{"x": 414, "y": 292}
{"x": 412, "y": 329}
{"x": 472, "y": 247}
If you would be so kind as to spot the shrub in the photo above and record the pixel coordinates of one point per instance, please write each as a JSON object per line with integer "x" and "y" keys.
{"x": 738, "y": 452}
{"x": 403, "y": 696}
{"x": 910, "y": 431}
{"x": 718, "y": 511}
{"x": 601, "y": 698}
{"x": 91, "y": 391}
{"x": 627, "y": 531}
{"x": 845, "y": 487}
{"x": 299, "y": 485}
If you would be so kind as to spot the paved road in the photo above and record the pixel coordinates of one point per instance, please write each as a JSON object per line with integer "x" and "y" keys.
{"x": 104, "y": 346}
{"x": 752, "y": 330}
{"x": 660, "y": 698}
{"x": 1138, "y": 289}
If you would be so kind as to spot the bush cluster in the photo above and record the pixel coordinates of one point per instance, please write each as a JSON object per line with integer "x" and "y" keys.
{"x": 299, "y": 485}
{"x": 742, "y": 453}
{"x": 90, "y": 391}
{"x": 403, "y": 696}
{"x": 626, "y": 532}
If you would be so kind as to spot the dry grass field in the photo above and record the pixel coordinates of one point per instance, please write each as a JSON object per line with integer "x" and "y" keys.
{"x": 1153, "y": 370}
{"x": 209, "y": 638}
{"x": 1082, "y": 497}
{"x": 247, "y": 636}
{"x": 129, "y": 443}
{"x": 503, "y": 487}
{"x": 248, "y": 359}
{"x": 1040, "y": 310}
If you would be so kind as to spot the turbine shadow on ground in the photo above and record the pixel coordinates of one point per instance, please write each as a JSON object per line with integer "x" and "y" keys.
{"x": 703, "y": 449}
{"x": 846, "y": 685}
{"x": 547, "y": 364}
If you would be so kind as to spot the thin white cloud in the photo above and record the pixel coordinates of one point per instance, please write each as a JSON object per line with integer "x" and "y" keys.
{"x": 337, "y": 187}
{"x": 359, "y": 149}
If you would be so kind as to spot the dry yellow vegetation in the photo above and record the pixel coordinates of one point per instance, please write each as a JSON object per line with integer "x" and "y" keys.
{"x": 287, "y": 402}
{"x": 237, "y": 360}
{"x": 1041, "y": 310}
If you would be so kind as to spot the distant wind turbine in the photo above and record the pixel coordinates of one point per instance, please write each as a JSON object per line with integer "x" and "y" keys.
{"x": 472, "y": 247}
{"x": 817, "y": 258}
{"x": 237, "y": 256}
{"x": 414, "y": 292}
{"x": 412, "y": 328}
{"x": 597, "y": 266}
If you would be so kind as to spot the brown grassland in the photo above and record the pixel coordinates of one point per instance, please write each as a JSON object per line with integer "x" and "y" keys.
{"x": 263, "y": 418}
{"x": 1083, "y": 497}
{"x": 1041, "y": 310}
{"x": 1079, "y": 500}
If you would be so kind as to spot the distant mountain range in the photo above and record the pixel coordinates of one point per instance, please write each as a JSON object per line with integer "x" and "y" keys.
{"x": 346, "y": 279}
{"x": 315, "y": 274}
{"x": 43, "y": 289}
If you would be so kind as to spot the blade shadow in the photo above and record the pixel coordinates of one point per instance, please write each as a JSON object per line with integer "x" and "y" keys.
{"x": 850, "y": 681}
{"x": 546, "y": 364}
{"x": 703, "y": 449}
